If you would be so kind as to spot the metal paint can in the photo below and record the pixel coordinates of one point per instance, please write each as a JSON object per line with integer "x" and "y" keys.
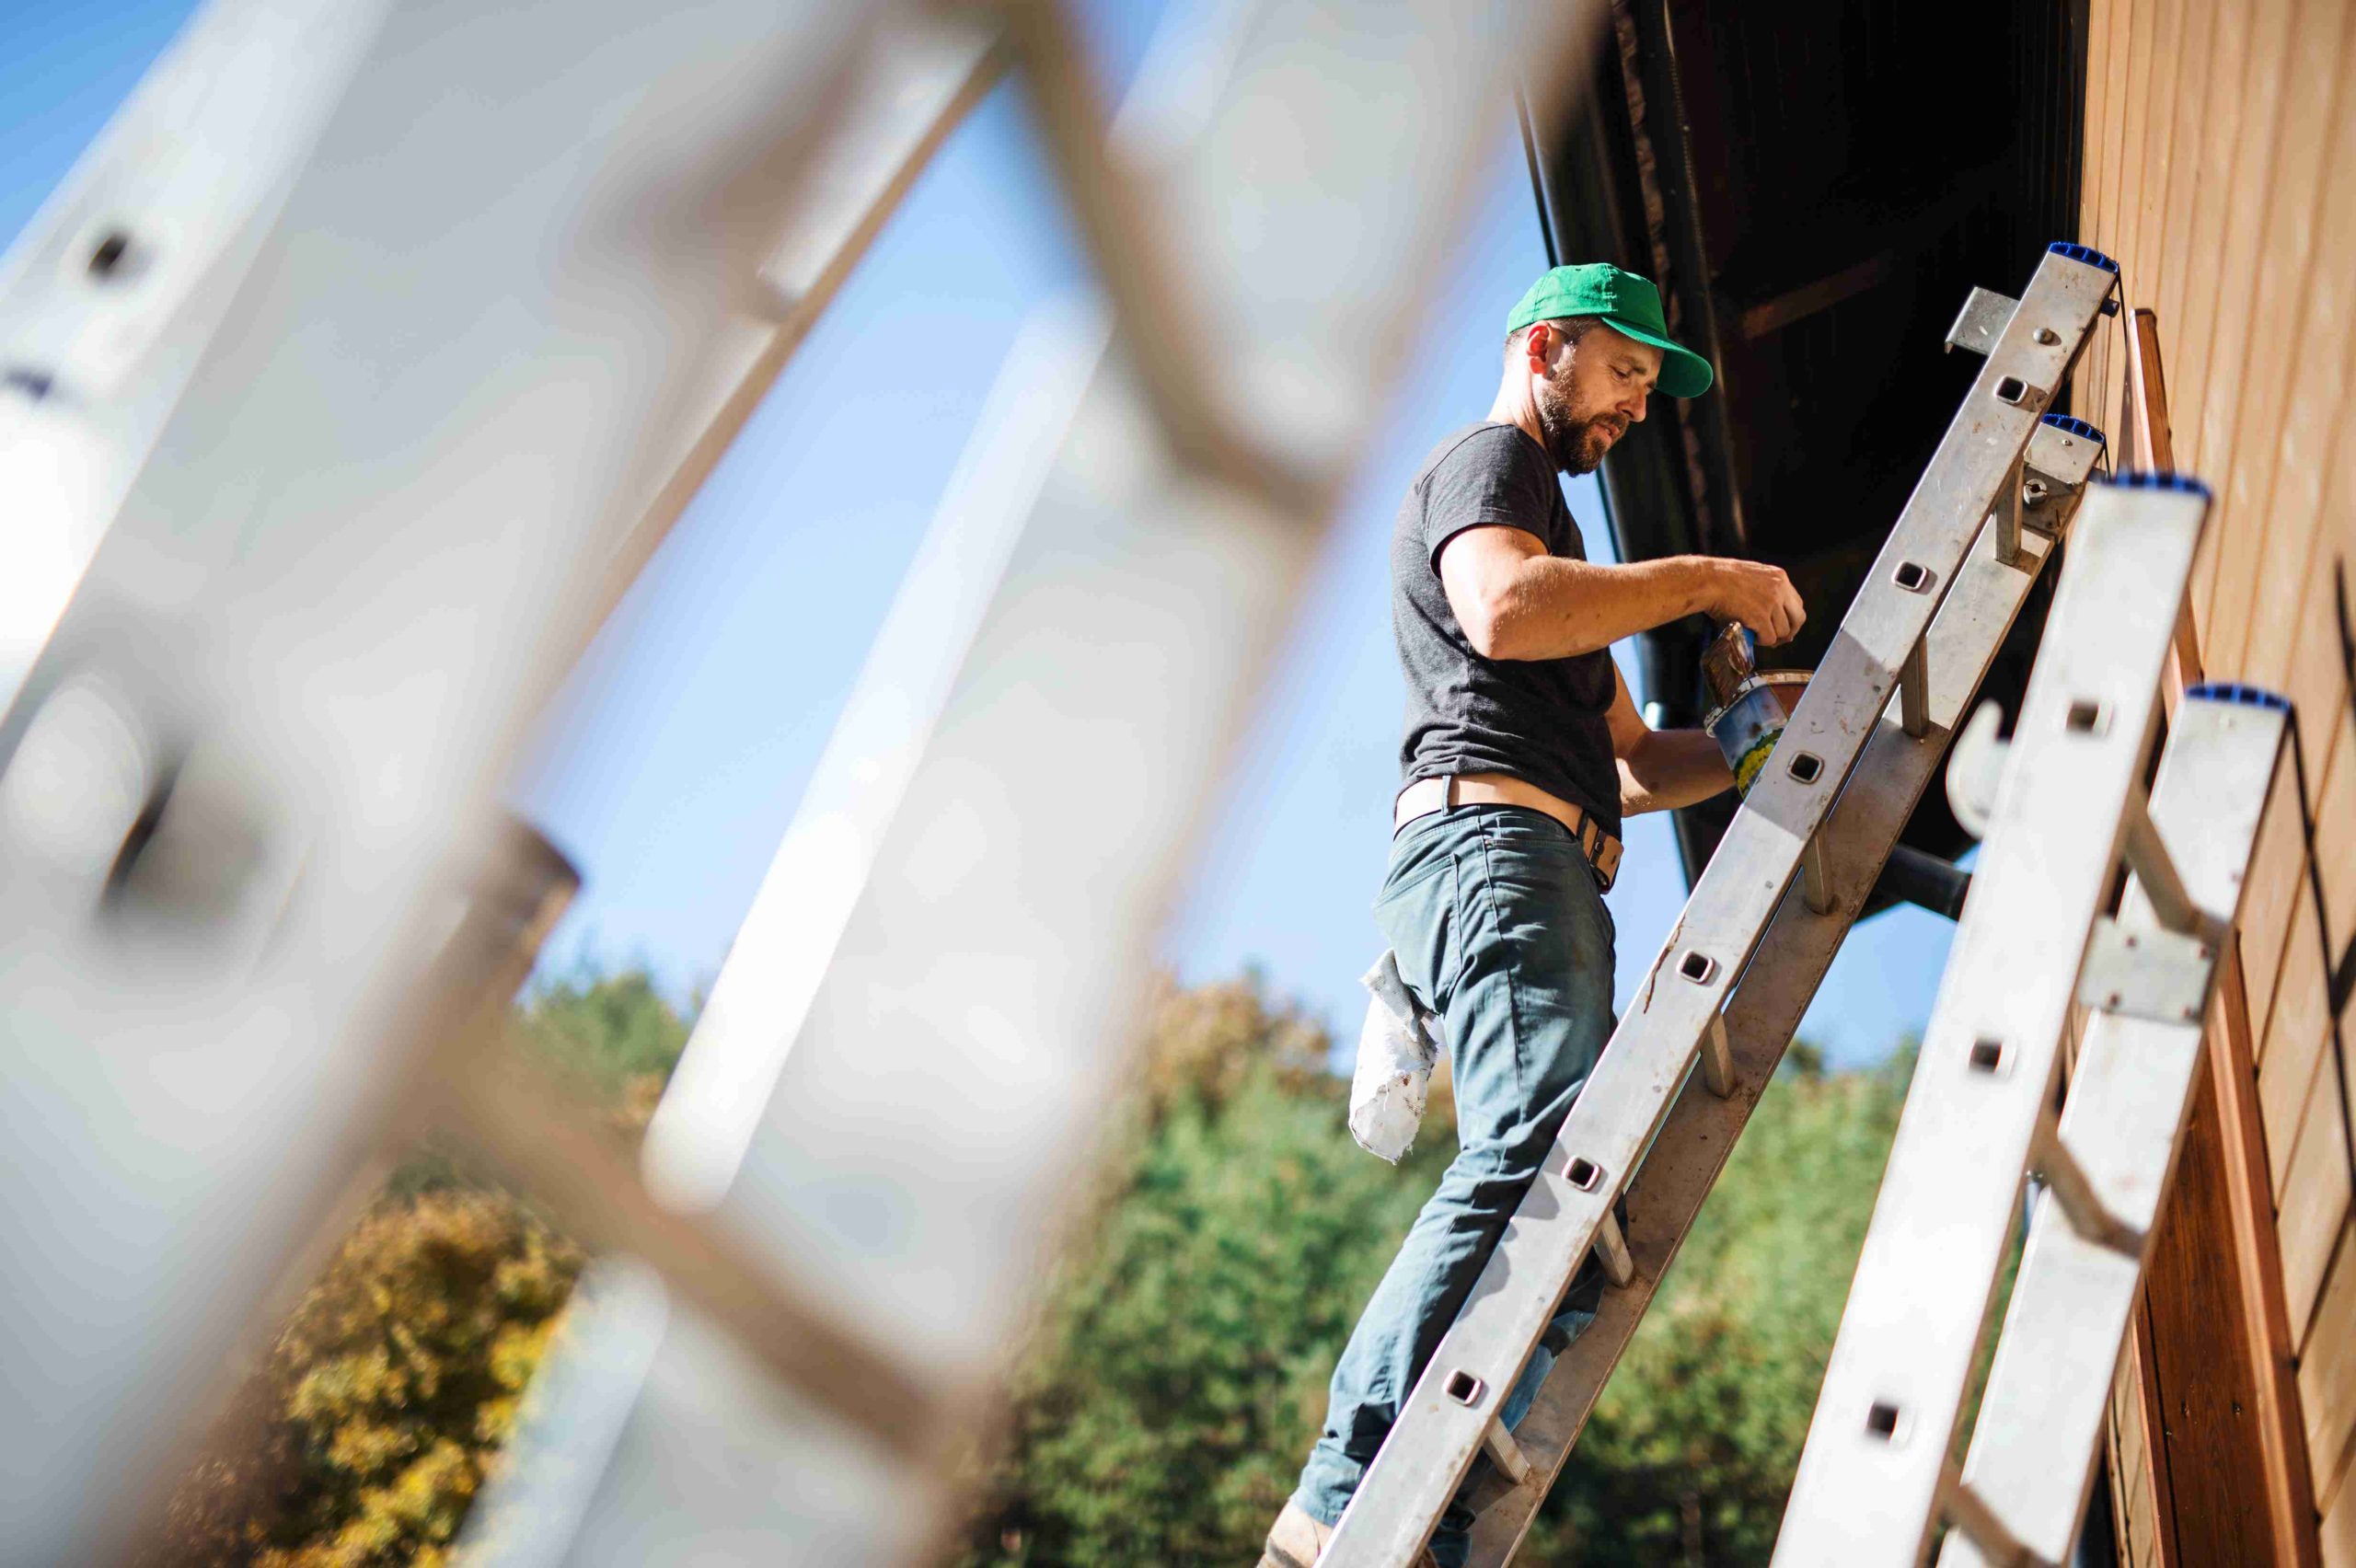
{"x": 1749, "y": 725}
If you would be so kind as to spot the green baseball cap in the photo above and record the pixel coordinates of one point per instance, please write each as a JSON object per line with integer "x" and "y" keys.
{"x": 1629, "y": 303}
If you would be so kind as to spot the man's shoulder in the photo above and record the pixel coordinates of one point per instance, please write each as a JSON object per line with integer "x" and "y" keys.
{"x": 1489, "y": 445}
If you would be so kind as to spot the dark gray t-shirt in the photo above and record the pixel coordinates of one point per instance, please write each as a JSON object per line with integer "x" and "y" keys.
{"x": 1540, "y": 719}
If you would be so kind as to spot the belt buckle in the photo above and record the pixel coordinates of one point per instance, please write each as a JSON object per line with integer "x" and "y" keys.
{"x": 1607, "y": 859}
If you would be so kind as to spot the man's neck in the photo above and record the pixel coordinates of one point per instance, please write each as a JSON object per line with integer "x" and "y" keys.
{"x": 1516, "y": 407}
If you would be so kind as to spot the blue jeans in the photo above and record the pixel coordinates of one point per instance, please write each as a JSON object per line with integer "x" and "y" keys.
{"x": 1499, "y": 928}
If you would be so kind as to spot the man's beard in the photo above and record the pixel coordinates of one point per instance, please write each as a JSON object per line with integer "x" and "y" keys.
{"x": 1577, "y": 444}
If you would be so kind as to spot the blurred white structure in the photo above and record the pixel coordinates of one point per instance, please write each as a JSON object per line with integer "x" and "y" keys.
{"x": 355, "y": 372}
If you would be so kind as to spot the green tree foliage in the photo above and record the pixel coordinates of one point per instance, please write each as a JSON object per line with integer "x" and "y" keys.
{"x": 1690, "y": 1452}
{"x": 1178, "y": 1375}
{"x": 386, "y": 1397}
{"x": 381, "y": 1405}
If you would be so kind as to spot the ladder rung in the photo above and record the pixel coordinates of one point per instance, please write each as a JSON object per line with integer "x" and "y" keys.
{"x": 2067, "y": 1182}
{"x": 2007, "y": 517}
{"x": 1505, "y": 1454}
{"x": 2148, "y": 857}
{"x": 1612, "y": 1251}
{"x": 1914, "y": 691}
{"x": 1815, "y": 883}
{"x": 1995, "y": 1545}
{"x": 1718, "y": 1058}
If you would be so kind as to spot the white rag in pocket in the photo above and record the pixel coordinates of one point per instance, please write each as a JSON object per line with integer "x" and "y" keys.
{"x": 1396, "y": 1050}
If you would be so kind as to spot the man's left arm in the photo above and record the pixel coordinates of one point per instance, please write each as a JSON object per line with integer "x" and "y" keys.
{"x": 1660, "y": 769}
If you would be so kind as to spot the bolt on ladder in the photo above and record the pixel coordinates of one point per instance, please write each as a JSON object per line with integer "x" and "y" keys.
{"x": 2068, "y": 805}
{"x": 1787, "y": 880}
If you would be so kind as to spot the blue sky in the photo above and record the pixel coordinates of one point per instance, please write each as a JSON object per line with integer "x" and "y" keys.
{"x": 672, "y": 762}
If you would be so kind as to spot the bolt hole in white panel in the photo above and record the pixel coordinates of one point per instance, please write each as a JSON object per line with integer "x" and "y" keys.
{"x": 472, "y": 341}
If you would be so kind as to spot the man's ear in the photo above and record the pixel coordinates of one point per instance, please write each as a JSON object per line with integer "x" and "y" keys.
{"x": 1540, "y": 346}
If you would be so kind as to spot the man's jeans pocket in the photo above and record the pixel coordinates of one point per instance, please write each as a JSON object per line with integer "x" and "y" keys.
{"x": 1418, "y": 917}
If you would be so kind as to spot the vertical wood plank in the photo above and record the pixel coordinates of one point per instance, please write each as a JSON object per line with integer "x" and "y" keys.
{"x": 2295, "y": 1040}
{"x": 2340, "y": 1528}
{"x": 2152, "y": 1416}
{"x": 2281, "y": 1411}
{"x": 2285, "y": 475}
{"x": 2176, "y": 182}
{"x": 2327, "y": 1375}
{"x": 2280, "y": 287}
{"x": 2116, "y": 39}
{"x": 2310, "y": 1224}
{"x": 2273, "y": 29}
{"x": 2317, "y": 681}
{"x": 2192, "y": 330}
{"x": 2336, "y": 833}
{"x": 2277, "y": 875}
{"x": 2208, "y": 1388}
{"x": 2146, "y": 198}
{"x": 2233, "y": 1446}
{"x": 2127, "y": 195}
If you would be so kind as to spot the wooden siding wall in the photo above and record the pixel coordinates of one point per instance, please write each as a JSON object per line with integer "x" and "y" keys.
{"x": 2220, "y": 171}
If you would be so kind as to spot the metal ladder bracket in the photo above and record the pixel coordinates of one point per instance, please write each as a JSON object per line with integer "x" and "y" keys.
{"x": 2060, "y": 459}
{"x": 1982, "y": 321}
{"x": 2148, "y": 972}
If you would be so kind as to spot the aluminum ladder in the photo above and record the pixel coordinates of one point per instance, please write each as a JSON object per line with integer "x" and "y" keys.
{"x": 1757, "y": 932}
{"x": 2068, "y": 805}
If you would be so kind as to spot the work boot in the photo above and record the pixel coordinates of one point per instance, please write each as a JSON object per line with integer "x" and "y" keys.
{"x": 1297, "y": 1540}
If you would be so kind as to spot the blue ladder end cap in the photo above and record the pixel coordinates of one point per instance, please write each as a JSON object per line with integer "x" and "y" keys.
{"x": 2247, "y": 696}
{"x": 2078, "y": 427}
{"x": 2142, "y": 478}
{"x": 2086, "y": 253}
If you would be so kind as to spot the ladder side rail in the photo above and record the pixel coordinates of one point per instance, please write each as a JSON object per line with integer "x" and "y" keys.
{"x": 110, "y": 295}
{"x": 1868, "y": 1482}
{"x": 1400, "y": 1500}
{"x": 390, "y": 479}
{"x": 947, "y": 1074}
{"x": 1700, "y": 1134}
{"x": 2031, "y": 1461}
{"x": 920, "y": 75}
{"x": 983, "y": 961}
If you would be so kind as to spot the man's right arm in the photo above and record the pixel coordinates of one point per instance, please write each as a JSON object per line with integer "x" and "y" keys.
{"x": 1515, "y": 601}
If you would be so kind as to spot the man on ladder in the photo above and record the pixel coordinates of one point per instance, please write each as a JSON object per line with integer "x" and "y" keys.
{"x": 1522, "y": 752}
